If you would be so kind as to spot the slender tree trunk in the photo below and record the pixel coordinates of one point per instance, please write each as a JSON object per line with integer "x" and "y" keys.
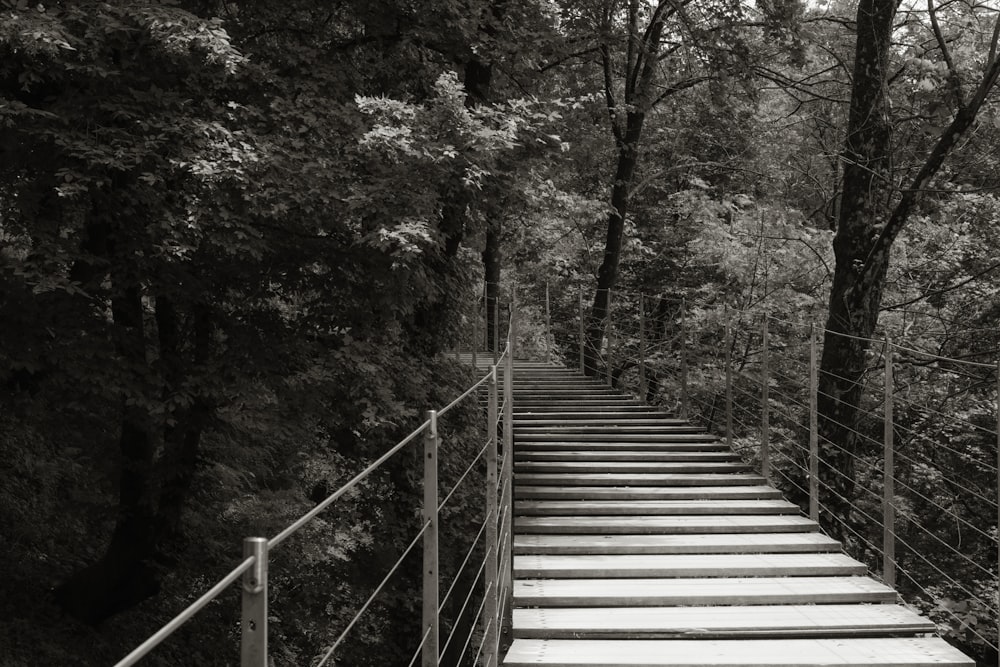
{"x": 492, "y": 261}
{"x": 607, "y": 273}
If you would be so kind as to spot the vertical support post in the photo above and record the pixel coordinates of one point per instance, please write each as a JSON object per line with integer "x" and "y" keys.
{"x": 507, "y": 510}
{"x": 888, "y": 478}
{"x": 475, "y": 338}
{"x": 611, "y": 342}
{"x": 496, "y": 325}
{"x": 729, "y": 379}
{"x": 491, "y": 614}
{"x": 512, "y": 334}
{"x": 813, "y": 430}
{"x": 253, "y": 623}
{"x": 765, "y": 404}
{"x": 431, "y": 591}
{"x": 685, "y": 399}
{"x": 642, "y": 347}
{"x": 998, "y": 487}
{"x": 548, "y": 326}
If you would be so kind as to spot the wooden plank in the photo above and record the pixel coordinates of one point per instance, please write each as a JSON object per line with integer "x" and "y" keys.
{"x": 524, "y": 454}
{"x": 604, "y": 428}
{"x": 645, "y": 493}
{"x": 522, "y": 436}
{"x": 686, "y": 565}
{"x": 653, "y": 507}
{"x": 692, "y": 442}
{"x": 762, "y": 621}
{"x": 664, "y": 525}
{"x": 662, "y": 592}
{"x": 589, "y": 421}
{"x": 639, "y": 479}
{"x": 874, "y": 652}
{"x": 676, "y": 544}
{"x": 574, "y": 467}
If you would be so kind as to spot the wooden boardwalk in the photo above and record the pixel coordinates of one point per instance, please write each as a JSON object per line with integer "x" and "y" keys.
{"x": 642, "y": 540}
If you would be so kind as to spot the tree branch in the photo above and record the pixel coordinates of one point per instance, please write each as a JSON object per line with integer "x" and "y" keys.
{"x": 954, "y": 79}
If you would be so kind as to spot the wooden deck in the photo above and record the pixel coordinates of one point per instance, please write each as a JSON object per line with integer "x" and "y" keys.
{"x": 640, "y": 540}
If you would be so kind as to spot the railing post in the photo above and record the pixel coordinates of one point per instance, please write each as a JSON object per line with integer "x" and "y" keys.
{"x": 998, "y": 486}
{"x": 729, "y": 379}
{"x": 548, "y": 326}
{"x": 429, "y": 655}
{"x": 512, "y": 333}
{"x": 813, "y": 430}
{"x": 685, "y": 399}
{"x": 642, "y": 347}
{"x": 607, "y": 356}
{"x": 507, "y": 492}
{"x": 253, "y": 624}
{"x": 582, "y": 334}
{"x": 496, "y": 324}
{"x": 475, "y": 337}
{"x": 491, "y": 615}
{"x": 765, "y": 405}
{"x": 888, "y": 477}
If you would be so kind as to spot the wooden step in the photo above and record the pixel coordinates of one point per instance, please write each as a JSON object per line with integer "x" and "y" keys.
{"x": 692, "y": 442}
{"x": 874, "y": 652}
{"x": 663, "y": 592}
{"x": 706, "y": 543}
{"x": 651, "y": 507}
{"x": 685, "y": 565}
{"x": 765, "y": 621}
{"x": 563, "y": 422}
{"x": 571, "y": 408}
{"x": 635, "y": 479}
{"x": 621, "y": 467}
{"x": 534, "y": 454}
{"x": 661, "y": 525}
{"x": 644, "y": 493}
{"x": 603, "y": 438}
{"x": 606, "y": 428}
{"x": 625, "y": 415}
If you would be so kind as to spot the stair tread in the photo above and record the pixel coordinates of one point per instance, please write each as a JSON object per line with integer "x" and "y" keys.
{"x": 883, "y": 652}
{"x": 697, "y": 543}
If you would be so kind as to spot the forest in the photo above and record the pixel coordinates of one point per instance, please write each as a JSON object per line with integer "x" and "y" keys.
{"x": 240, "y": 240}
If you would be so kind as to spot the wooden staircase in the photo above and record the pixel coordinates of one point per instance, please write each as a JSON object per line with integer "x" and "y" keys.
{"x": 642, "y": 540}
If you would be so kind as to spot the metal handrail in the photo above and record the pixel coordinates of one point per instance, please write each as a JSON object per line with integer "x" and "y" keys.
{"x": 254, "y": 566}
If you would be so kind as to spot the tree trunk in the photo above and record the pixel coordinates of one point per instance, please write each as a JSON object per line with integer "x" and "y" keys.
{"x": 123, "y": 576}
{"x": 492, "y": 260}
{"x": 859, "y": 276}
{"x": 607, "y": 273}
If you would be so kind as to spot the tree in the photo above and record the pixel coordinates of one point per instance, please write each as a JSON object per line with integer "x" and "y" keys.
{"x": 873, "y": 212}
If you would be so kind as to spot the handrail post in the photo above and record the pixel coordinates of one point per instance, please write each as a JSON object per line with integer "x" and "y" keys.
{"x": 998, "y": 485}
{"x": 888, "y": 477}
{"x": 582, "y": 333}
{"x": 429, "y": 655}
{"x": 729, "y": 379}
{"x": 813, "y": 429}
{"x": 507, "y": 491}
{"x": 475, "y": 337}
{"x": 642, "y": 347}
{"x": 496, "y": 324}
{"x": 512, "y": 332}
{"x": 685, "y": 399}
{"x": 607, "y": 355}
{"x": 765, "y": 405}
{"x": 491, "y": 617}
{"x": 253, "y": 624}
{"x": 548, "y": 326}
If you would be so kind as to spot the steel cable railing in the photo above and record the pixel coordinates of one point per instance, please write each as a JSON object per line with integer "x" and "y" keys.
{"x": 493, "y": 607}
{"x": 908, "y": 477}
